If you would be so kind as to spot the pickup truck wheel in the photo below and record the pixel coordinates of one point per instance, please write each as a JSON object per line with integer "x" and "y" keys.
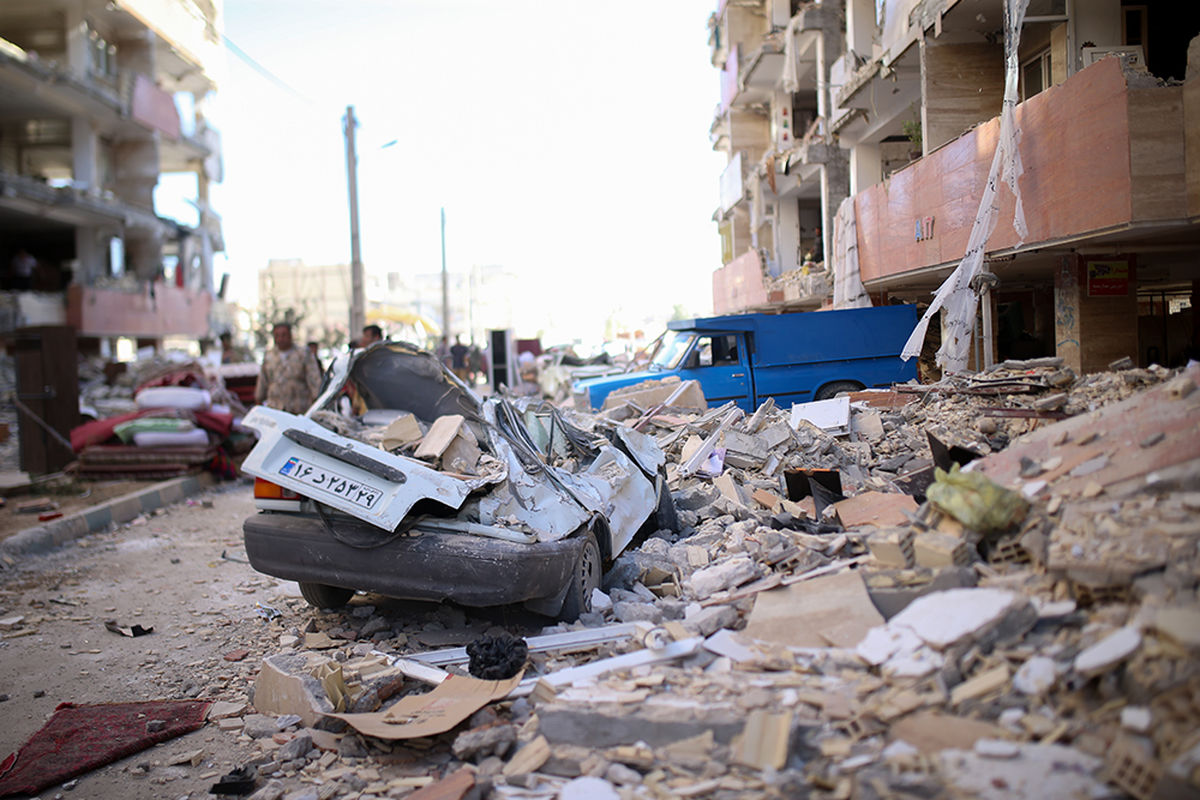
{"x": 320, "y": 595}
{"x": 585, "y": 577}
{"x": 837, "y": 387}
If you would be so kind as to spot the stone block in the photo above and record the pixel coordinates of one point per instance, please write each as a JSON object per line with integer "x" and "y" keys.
{"x": 933, "y": 549}
{"x": 610, "y": 725}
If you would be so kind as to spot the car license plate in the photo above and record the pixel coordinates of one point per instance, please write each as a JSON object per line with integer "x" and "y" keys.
{"x": 338, "y": 485}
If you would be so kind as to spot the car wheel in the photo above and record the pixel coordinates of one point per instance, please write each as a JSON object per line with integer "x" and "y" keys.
{"x": 837, "y": 387}
{"x": 320, "y": 595}
{"x": 585, "y": 576}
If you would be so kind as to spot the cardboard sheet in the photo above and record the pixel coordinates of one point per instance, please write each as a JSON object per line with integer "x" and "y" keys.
{"x": 830, "y": 611}
{"x": 452, "y": 701}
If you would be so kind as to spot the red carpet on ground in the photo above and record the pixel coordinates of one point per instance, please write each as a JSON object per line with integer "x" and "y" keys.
{"x": 80, "y": 738}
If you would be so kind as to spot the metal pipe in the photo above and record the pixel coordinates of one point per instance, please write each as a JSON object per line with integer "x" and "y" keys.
{"x": 357, "y": 300}
{"x": 445, "y": 283}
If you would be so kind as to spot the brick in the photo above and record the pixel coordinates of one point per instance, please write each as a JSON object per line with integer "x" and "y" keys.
{"x": 940, "y": 550}
{"x": 892, "y": 547}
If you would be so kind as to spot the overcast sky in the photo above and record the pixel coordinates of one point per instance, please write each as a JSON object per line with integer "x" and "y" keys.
{"x": 567, "y": 141}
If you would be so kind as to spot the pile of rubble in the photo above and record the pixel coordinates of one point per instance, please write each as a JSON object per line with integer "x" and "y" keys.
{"x": 985, "y": 587}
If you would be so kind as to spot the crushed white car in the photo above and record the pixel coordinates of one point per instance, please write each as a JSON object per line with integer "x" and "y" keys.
{"x": 400, "y": 480}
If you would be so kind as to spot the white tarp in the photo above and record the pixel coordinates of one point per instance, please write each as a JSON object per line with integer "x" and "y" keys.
{"x": 848, "y": 289}
{"x": 791, "y": 77}
{"x": 956, "y": 294}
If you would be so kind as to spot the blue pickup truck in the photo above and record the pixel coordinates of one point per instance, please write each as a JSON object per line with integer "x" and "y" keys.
{"x": 794, "y": 358}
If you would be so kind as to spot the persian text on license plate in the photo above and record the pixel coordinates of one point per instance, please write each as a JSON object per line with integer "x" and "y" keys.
{"x": 338, "y": 485}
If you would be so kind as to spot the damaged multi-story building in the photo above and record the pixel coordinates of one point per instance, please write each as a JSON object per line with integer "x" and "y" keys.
{"x": 882, "y": 123}
{"x": 98, "y": 99}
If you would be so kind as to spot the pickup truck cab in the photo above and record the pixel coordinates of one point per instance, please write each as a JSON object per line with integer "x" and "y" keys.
{"x": 793, "y": 358}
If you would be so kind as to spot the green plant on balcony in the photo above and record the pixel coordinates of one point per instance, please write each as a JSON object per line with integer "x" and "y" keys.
{"x": 912, "y": 129}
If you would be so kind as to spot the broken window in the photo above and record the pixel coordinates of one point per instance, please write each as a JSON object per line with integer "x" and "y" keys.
{"x": 1035, "y": 75}
{"x": 672, "y": 350}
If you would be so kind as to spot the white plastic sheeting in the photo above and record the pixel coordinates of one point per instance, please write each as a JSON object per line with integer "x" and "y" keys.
{"x": 791, "y": 74}
{"x": 956, "y": 294}
{"x": 848, "y": 289}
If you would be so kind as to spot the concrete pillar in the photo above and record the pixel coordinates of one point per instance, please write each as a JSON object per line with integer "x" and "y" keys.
{"x": 1066, "y": 312}
{"x": 961, "y": 86}
{"x": 835, "y": 187}
{"x": 866, "y": 166}
{"x": 860, "y": 27}
{"x": 135, "y": 161}
{"x": 1092, "y": 331}
{"x": 91, "y": 255}
{"x": 787, "y": 236}
{"x": 75, "y": 30}
{"x": 84, "y": 155}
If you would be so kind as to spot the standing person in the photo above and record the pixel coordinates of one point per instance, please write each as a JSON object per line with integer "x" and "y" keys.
{"x": 370, "y": 335}
{"x": 23, "y": 265}
{"x": 443, "y": 351}
{"x": 458, "y": 359}
{"x": 475, "y": 367}
{"x": 229, "y": 353}
{"x": 289, "y": 378}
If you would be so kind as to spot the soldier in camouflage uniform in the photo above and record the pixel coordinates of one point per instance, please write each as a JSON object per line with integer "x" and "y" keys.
{"x": 289, "y": 378}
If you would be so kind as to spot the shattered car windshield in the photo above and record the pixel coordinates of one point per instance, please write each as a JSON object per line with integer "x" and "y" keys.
{"x": 673, "y": 347}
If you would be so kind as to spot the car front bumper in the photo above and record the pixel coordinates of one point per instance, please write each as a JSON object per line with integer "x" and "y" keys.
{"x": 470, "y": 570}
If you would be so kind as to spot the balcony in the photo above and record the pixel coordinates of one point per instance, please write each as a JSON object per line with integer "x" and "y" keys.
{"x": 148, "y": 311}
{"x": 34, "y": 198}
{"x": 1103, "y": 154}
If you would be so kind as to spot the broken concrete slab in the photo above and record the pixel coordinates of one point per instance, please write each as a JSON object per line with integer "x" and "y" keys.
{"x": 721, "y": 576}
{"x": 830, "y": 611}
{"x": 945, "y": 618}
{"x": 875, "y": 509}
{"x": 651, "y": 393}
{"x": 609, "y": 725}
{"x": 286, "y": 685}
{"x": 1039, "y": 770}
{"x": 1108, "y": 652}
{"x": 831, "y": 416}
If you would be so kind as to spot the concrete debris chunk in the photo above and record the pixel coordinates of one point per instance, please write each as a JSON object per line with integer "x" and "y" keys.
{"x": 1108, "y": 652}
{"x": 719, "y": 577}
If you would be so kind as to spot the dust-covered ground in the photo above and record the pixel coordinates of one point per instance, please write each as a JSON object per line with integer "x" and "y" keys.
{"x": 183, "y": 572}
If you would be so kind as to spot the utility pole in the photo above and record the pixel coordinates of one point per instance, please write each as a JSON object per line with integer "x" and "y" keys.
{"x": 445, "y": 282}
{"x": 357, "y": 302}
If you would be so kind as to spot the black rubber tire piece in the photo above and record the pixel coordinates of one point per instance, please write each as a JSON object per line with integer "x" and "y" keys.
{"x": 585, "y": 576}
{"x": 666, "y": 517}
{"x": 837, "y": 387}
{"x": 321, "y": 595}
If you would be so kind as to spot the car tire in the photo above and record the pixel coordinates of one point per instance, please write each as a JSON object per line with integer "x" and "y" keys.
{"x": 586, "y": 574}
{"x": 837, "y": 387}
{"x": 321, "y": 595}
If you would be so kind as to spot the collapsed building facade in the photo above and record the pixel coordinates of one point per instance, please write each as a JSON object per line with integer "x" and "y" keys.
{"x": 876, "y": 123}
{"x": 98, "y": 100}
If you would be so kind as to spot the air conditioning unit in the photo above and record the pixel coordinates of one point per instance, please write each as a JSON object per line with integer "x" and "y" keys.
{"x": 1132, "y": 55}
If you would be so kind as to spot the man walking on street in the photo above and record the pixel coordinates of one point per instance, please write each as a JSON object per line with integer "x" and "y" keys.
{"x": 289, "y": 378}
{"x": 458, "y": 358}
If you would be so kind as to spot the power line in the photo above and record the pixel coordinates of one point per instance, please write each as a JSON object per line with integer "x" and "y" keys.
{"x": 266, "y": 73}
